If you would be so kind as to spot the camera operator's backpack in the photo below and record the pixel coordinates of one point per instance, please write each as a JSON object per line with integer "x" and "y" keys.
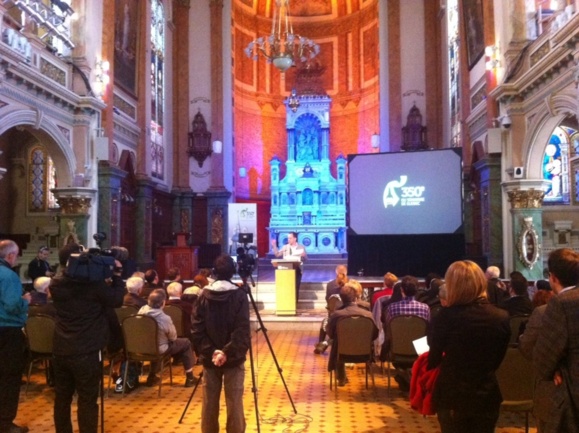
{"x": 132, "y": 377}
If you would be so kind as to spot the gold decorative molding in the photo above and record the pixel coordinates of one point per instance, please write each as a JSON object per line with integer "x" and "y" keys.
{"x": 526, "y": 199}
{"x": 528, "y": 245}
{"x": 74, "y": 205}
{"x": 53, "y": 72}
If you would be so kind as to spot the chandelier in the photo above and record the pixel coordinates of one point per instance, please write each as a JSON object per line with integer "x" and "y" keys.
{"x": 282, "y": 47}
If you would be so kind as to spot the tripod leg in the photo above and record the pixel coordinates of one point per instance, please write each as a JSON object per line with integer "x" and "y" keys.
{"x": 254, "y": 388}
{"x": 191, "y": 397}
{"x": 102, "y": 393}
{"x": 264, "y": 331}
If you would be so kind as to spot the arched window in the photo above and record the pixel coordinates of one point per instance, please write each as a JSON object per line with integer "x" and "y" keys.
{"x": 556, "y": 166}
{"x": 157, "y": 88}
{"x": 42, "y": 176}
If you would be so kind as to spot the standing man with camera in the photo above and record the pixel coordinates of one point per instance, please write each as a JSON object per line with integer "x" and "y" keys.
{"x": 221, "y": 336}
{"x": 81, "y": 333}
{"x": 13, "y": 312}
{"x": 292, "y": 250}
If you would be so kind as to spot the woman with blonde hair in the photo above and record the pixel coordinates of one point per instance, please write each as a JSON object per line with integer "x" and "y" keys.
{"x": 473, "y": 335}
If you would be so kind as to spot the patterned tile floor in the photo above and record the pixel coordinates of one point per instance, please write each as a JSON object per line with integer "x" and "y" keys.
{"x": 352, "y": 409}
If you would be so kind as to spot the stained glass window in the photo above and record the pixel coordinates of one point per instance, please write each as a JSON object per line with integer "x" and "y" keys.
{"x": 556, "y": 166}
{"x": 157, "y": 88}
{"x": 42, "y": 175}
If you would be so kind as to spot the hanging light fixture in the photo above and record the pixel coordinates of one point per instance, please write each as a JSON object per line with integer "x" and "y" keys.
{"x": 282, "y": 47}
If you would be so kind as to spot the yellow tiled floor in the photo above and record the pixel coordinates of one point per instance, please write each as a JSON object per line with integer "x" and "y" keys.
{"x": 351, "y": 409}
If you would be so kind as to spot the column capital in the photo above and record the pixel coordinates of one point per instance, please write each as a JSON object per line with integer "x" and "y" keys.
{"x": 526, "y": 199}
{"x": 74, "y": 201}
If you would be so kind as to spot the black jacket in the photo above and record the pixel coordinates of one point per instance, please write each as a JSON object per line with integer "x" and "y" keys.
{"x": 221, "y": 322}
{"x": 83, "y": 310}
{"x": 473, "y": 339}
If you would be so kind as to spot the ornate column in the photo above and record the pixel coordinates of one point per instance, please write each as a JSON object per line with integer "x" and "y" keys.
{"x": 489, "y": 169}
{"x": 143, "y": 242}
{"x": 109, "y": 220}
{"x": 74, "y": 214}
{"x": 527, "y": 222}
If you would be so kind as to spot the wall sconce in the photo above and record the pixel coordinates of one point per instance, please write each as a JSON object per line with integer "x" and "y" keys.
{"x": 200, "y": 146}
{"x": 102, "y": 78}
{"x": 375, "y": 141}
{"x": 492, "y": 57}
{"x": 217, "y": 146}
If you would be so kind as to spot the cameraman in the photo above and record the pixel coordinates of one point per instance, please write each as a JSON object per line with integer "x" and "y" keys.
{"x": 82, "y": 331}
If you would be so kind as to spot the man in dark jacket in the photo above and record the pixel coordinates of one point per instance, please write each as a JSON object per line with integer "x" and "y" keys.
{"x": 81, "y": 332}
{"x": 221, "y": 335}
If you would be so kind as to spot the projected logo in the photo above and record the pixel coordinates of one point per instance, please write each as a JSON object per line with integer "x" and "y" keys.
{"x": 396, "y": 192}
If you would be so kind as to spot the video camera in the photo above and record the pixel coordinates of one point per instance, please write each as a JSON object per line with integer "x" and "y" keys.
{"x": 95, "y": 264}
{"x": 245, "y": 262}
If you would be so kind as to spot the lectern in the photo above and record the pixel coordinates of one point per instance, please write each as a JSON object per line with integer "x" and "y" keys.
{"x": 285, "y": 286}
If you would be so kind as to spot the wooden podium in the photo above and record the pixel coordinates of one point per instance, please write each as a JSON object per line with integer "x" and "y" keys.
{"x": 181, "y": 256}
{"x": 285, "y": 286}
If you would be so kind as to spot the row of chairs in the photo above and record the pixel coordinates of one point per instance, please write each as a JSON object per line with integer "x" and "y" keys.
{"x": 140, "y": 336}
{"x": 515, "y": 374}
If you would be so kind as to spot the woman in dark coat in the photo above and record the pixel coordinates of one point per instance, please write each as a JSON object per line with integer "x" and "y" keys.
{"x": 468, "y": 340}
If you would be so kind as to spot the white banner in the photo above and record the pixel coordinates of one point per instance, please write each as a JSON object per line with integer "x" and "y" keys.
{"x": 242, "y": 230}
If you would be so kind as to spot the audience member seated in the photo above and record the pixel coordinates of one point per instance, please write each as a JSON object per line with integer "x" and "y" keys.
{"x": 519, "y": 303}
{"x": 133, "y": 296}
{"x": 350, "y": 308}
{"x": 40, "y": 302}
{"x": 389, "y": 281}
{"x": 207, "y": 274}
{"x": 200, "y": 281}
{"x": 408, "y": 306}
{"x": 151, "y": 283}
{"x": 173, "y": 276}
{"x": 359, "y": 292}
{"x": 442, "y": 302}
{"x": 332, "y": 289}
{"x": 423, "y": 292}
{"x": 496, "y": 289}
{"x": 174, "y": 291}
{"x": 39, "y": 296}
{"x": 39, "y": 266}
{"x": 139, "y": 274}
{"x": 178, "y": 347}
{"x": 430, "y": 297}
{"x": 396, "y": 297}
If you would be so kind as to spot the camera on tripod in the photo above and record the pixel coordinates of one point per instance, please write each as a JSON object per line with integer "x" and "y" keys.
{"x": 245, "y": 261}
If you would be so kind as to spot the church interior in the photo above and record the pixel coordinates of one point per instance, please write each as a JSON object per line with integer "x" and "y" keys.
{"x": 147, "y": 121}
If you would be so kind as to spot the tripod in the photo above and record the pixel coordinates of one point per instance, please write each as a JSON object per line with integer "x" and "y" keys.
{"x": 262, "y": 328}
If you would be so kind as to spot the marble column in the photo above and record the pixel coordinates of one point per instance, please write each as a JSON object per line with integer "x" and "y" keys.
{"x": 144, "y": 240}
{"x": 109, "y": 221}
{"x": 527, "y": 222}
{"x": 489, "y": 169}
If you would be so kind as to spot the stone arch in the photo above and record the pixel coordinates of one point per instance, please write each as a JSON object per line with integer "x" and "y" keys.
{"x": 542, "y": 123}
{"x": 49, "y": 134}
